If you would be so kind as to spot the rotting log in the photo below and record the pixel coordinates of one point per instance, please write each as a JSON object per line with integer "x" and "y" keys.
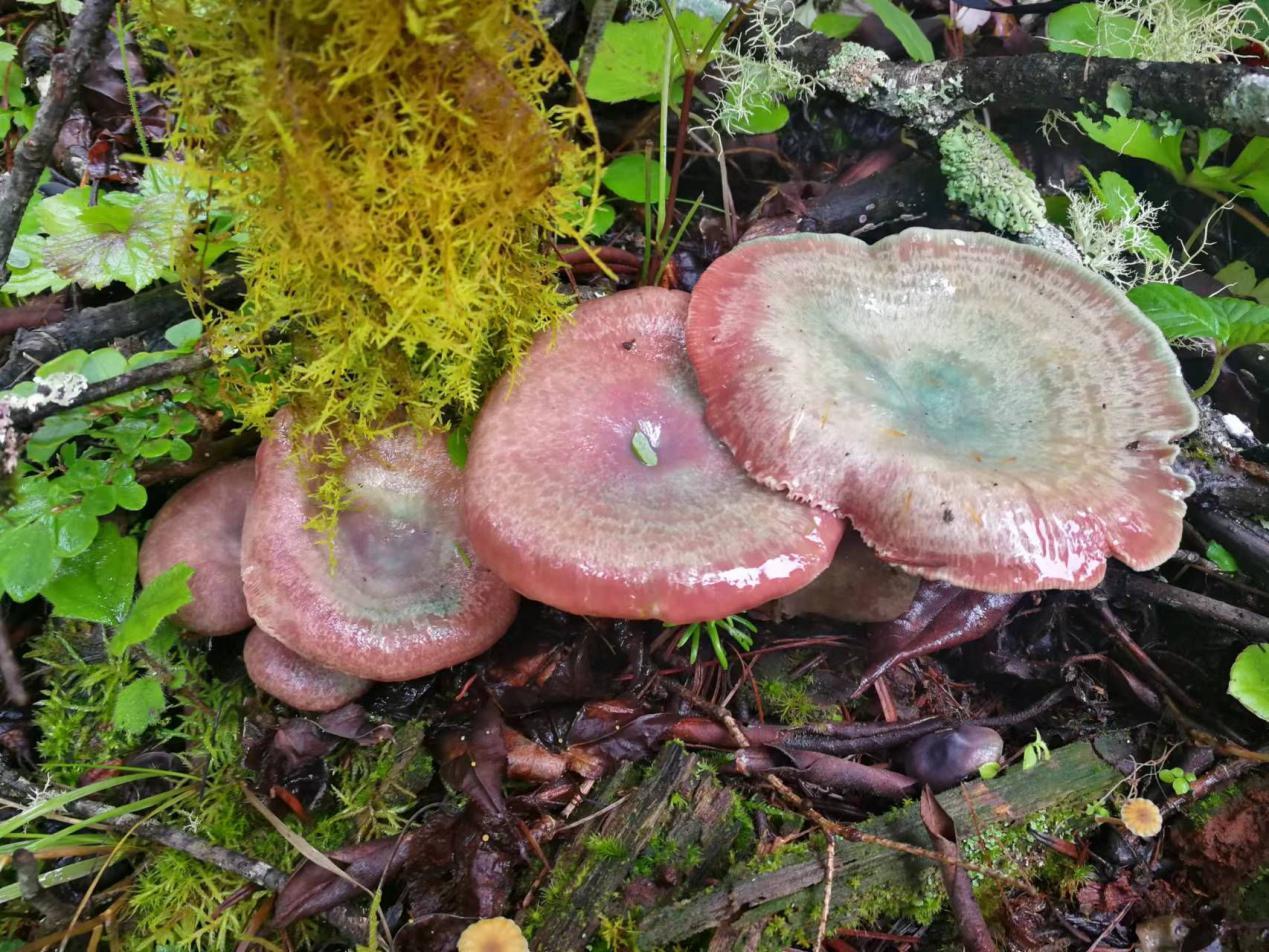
{"x": 1073, "y": 777}
{"x": 684, "y": 808}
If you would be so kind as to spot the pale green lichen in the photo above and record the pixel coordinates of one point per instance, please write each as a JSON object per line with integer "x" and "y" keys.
{"x": 983, "y": 175}
{"x": 854, "y": 71}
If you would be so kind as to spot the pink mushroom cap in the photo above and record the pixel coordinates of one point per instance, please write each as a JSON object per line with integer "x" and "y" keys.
{"x": 277, "y": 670}
{"x": 403, "y": 597}
{"x": 561, "y": 505}
{"x": 201, "y": 526}
{"x": 984, "y": 412}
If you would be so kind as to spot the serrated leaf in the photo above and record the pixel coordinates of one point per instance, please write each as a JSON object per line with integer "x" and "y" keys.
{"x": 1239, "y": 277}
{"x": 1209, "y": 140}
{"x": 138, "y": 705}
{"x": 1136, "y": 138}
{"x": 165, "y": 595}
{"x": 1249, "y": 679}
{"x": 631, "y": 56}
{"x": 1230, "y": 322}
{"x": 28, "y": 558}
{"x": 97, "y": 585}
{"x": 905, "y": 29}
{"x": 88, "y": 246}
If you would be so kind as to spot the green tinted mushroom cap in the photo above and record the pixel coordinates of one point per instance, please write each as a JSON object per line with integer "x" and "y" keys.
{"x": 985, "y": 413}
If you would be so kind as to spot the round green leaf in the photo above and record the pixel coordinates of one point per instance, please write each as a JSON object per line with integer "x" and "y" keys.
{"x": 99, "y": 500}
{"x": 1249, "y": 679}
{"x": 130, "y": 496}
{"x": 76, "y": 530}
{"x": 628, "y": 176}
{"x": 185, "y": 335}
{"x": 765, "y": 115}
{"x": 27, "y": 559}
{"x": 103, "y": 364}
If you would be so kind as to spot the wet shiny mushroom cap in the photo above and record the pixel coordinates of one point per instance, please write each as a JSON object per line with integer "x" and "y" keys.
{"x": 201, "y": 526}
{"x": 277, "y": 670}
{"x": 594, "y": 485}
{"x": 985, "y": 413}
{"x": 403, "y": 596}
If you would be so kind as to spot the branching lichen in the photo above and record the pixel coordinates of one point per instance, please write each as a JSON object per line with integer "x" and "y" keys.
{"x": 400, "y": 171}
{"x": 754, "y": 67}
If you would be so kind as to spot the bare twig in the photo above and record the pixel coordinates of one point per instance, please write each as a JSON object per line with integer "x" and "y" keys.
{"x": 36, "y": 148}
{"x": 1193, "y": 603}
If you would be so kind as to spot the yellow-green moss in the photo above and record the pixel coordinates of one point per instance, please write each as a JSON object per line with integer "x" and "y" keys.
{"x": 400, "y": 169}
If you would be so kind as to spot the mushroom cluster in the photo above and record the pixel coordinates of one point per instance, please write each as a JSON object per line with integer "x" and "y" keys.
{"x": 984, "y": 413}
{"x": 397, "y": 598}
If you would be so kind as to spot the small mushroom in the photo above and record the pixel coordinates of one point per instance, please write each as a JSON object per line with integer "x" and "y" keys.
{"x": 594, "y": 485}
{"x": 1141, "y": 817}
{"x": 985, "y": 413}
{"x": 945, "y": 758}
{"x": 857, "y": 587}
{"x": 201, "y": 526}
{"x": 402, "y": 596}
{"x": 498, "y": 934}
{"x": 276, "y": 669}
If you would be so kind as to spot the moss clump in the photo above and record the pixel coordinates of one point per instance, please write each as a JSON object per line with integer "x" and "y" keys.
{"x": 398, "y": 166}
{"x": 174, "y": 900}
{"x": 984, "y": 175}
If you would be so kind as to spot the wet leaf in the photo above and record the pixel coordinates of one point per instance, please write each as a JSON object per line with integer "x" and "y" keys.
{"x": 473, "y": 760}
{"x": 312, "y": 890}
{"x": 97, "y": 584}
{"x": 1249, "y": 679}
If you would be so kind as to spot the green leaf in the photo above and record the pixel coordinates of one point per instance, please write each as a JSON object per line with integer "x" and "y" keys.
{"x": 1249, "y": 679}
{"x": 185, "y": 335}
{"x": 1139, "y": 139}
{"x": 989, "y": 771}
{"x": 1118, "y": 99}
{"x": 164, "y": 596}
{"x": 631, "y": 56}
{"x": 97, "y": 584}
{"x": 28, "y": 558}
{"x": 643, "y": 449}
{"x": 1230, "y": 322}
{"x": 1209, "y": 140}
{"x": 130, "y": 496}
{"x": 1085, "y": 30}
{"x": 1117, "y": 194}
{"x": 1223, "y": 558}
{"x": 138, "y": 705}
{"x": 899, "y": 22}
{"x": 766, "y": 114}
{"x": 836, "y": 25}
{"x": 133, "y": 242}
{"x": 1239, "y": 277}
{"x": 75, "y": 531}
{"x": 70, "y": 362}
{"x": 103, "y": 364}
{"x": 628, "y": 176}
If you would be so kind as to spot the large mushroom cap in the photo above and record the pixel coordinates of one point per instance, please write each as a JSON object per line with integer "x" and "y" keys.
{"x": 201, "y": 526}
{"x": 985, "y": 412}
{"x": 403, "y": 597}
{"x": 276, "y": 669}
{"x": 562, "y": 505}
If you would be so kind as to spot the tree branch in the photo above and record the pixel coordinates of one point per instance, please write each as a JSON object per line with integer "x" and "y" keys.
{"x": 1200, "y": 94}
{"x": 35, "y": 150}
{"x": 96, "y": 326}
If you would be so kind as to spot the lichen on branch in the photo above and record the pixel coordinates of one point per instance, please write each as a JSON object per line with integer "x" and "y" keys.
{"x": 399, "y": 168}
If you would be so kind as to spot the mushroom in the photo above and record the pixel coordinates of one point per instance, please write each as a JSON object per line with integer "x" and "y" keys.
{"x": 498, "y": 934}
{"x": 945, "y": 758}
{"x": 594, "y": 485}
{"x": 857, "y": 587}
{"x": 396, "y": 595}
{"x": 984, "y": 412}
{"x": 201, "y": 526}
{"x": 277, "y": 670}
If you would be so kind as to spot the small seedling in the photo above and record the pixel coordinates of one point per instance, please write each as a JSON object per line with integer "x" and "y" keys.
{"x": 989, "y": 771}
{"x": 739, "y": 628}
{"x": 1179, "y": 779}
{"x": 1035, "y": 753}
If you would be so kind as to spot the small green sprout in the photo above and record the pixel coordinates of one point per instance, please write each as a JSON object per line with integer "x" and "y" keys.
{"x": 989, "y": 771}
{"x": 739, "y": 628}
{"x": 1179, "y": 779}
{"x": 1097, "y": 811}
{"x": 1035, "y": 753}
